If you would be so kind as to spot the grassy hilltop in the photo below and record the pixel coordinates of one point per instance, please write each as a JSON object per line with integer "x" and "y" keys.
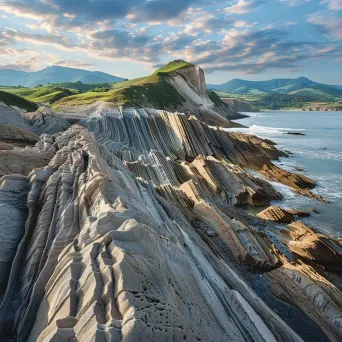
{"x": 153, "y": 90}
{"x": 283, "y": 101}
{"x": 14, "y": 100}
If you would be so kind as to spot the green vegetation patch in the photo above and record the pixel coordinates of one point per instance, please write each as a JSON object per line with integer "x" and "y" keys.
{"x": 42, "y": 94}
{"x": 215, "y": 98}
{"x": 81, "y": 87}
{"x": 282, "y": 101}
{"x": 279, "y": 101}
{"x": 14, "y": 100}
{"x": 171, "y": 68}
{"x": 152, "y": 91}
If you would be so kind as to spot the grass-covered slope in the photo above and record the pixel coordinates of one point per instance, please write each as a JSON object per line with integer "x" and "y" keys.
{"x": 147, "y": 91}
{"x": 14, "y": 100}
{"x": 153, "y": 91}
{"x": 80, "y": 86}
{"x": 171, "y": 68}
{"x": 297, "y": 100}
{"x": 43, "y": 94}
{"x": 300, "y": 86}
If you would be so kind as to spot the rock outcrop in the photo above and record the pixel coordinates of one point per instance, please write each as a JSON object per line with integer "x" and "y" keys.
{"x": 276, "y": 214}
{"x": 314, "y": 247}
{"x": 280, "y": 215}
{"x": 239, "y": 105}
{"x": 110, "y": 242}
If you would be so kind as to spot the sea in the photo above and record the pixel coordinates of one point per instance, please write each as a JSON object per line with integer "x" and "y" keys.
{"x": 317, "y": 155}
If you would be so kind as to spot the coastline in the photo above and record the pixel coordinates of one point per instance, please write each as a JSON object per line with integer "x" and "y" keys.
{"x": 154, "y": 198}
{"x": 312, "y": 155}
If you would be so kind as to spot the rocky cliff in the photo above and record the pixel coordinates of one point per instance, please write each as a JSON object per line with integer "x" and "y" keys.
{"x": 126, "y": 229}
{"x": 238, "y": 105}
{"x": 178, "y": 87}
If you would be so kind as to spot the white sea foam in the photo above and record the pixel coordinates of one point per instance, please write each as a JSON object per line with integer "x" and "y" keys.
{"x": 321, "y": 154}
{"x": 255, "y": 129}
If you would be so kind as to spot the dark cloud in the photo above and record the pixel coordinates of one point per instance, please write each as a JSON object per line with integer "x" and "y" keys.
{"x": 67, "y": 13}
{"x": 160, "y": 10}
{"x": 119, "y": 39}
{"x": 124, "y": 44}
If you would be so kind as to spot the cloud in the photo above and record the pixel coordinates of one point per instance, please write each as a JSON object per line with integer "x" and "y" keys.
{"x": 51, "y": 39}
{"x": 74, "y": 64}
{"x": 204, "y": 32}
{"x": 209, "y": 23}
{"x": 335, "y": 5}
{"x": 27, "y": 60}
{"x": 76, "y": 13}
{"x": 122, "y": 44}
{"x": 243, "y": 6}
{"x": 294, "y": 2}
{"x": 23, "y": 65}
{"x": 254, "y": 51}
{"x": 327, "y": 23}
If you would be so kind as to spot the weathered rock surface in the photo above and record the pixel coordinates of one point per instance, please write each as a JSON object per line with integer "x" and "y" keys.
{"x": 44, "y": 120}
{"x": 13, "y": 214}
{"x": 314, "y": 247}
{"x": 300, "y": 285}
{"x": 276, "y": 214}
{"x": 280, "y": 215}
{"x": 110, "y": 245}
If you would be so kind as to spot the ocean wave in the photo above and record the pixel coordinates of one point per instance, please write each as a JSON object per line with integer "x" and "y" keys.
{"x": 321, "y": 154}
{"x": 255, "y": 129}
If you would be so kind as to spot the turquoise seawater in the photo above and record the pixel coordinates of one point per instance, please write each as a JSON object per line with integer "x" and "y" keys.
{"x": 318, "y": 153}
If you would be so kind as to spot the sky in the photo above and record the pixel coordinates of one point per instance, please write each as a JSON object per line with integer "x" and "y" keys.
{"x": 248, "y": 39}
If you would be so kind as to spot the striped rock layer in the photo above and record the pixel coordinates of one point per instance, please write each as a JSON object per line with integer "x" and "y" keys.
{"x": 106, "y": 242}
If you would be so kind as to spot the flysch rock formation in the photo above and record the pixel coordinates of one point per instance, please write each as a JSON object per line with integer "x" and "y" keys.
{"x": 103, "y": 239}
{"x": 280, "y": 215}
{"x": 189, "y": 83}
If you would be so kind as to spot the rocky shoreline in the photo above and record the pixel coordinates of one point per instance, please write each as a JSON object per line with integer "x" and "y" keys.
{"x": 125, "y": 227}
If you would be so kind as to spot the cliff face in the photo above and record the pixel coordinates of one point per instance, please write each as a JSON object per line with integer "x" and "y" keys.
{"x": 195, "y": 76}
{"x": 129, "y": 233}
{"x": 190, "y": 84}
{"x": 238, "y": 105}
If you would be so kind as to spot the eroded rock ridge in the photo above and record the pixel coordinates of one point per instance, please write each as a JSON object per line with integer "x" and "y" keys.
{"x": 124, "y": 228}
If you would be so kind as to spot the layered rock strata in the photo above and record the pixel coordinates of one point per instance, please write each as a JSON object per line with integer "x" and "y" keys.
{"x": 280, "y": 215}
{"x": 109, "y": 245}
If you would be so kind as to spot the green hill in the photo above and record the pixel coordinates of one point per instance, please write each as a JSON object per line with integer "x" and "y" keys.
{"x": 14, "y": 100}
{"x": 277, "y": 101}
{"x": 150, "y": 91}
{"x": 299, "y": 86}
{"x": 80, "y": 86}
{"x": 43, "y": 94}
{"x": 54, "y": 74}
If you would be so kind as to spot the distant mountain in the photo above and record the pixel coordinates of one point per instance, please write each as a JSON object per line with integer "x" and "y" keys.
{"x": 298, "y": 86}
{"x": 54, "y": 74}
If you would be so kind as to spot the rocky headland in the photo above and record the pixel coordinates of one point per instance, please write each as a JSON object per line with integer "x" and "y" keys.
{"x": 123, "y": 225}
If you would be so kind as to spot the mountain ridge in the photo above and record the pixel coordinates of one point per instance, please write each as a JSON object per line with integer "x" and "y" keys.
{"x": 54, "y": 74}
{"x": 300, "y": 86}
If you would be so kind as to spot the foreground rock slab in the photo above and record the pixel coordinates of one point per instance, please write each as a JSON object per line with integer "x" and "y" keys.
{"x": 110, "y": 242}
